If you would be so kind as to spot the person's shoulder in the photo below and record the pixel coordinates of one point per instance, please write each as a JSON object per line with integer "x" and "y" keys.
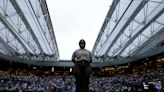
{"x": 88, "y": 50}
{"x": 77, "y": 50}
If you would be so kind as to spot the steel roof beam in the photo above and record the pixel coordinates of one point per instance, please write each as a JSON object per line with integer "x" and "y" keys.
{"x": 40, "y": 25}
{"x": 145, "y": 46}
{"x": 137, "y": 10}
{"x": 10, "y": 49}
{"x": 11, "y": 29}
{"x": 44, "y": 8}
{"x": 142, "y": 29}
{"x": 109, "y": 14}
{"x": 19, "y": 10}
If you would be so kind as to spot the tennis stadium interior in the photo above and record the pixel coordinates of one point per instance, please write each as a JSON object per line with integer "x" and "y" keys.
{"x": 128, "y": 53}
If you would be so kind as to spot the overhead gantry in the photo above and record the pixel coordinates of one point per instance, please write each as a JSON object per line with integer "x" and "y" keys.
{"x": 132, "y": 29}
{"x": 26, "y": 32}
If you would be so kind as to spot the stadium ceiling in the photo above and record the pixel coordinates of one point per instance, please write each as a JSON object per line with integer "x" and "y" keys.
{"x": 26, "y": 32}
{"x": 132, "y": 29}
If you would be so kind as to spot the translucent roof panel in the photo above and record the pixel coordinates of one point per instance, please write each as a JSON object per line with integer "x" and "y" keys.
{"x": 21, "y": 30}
{"x": 26, "y": 29}
{"x": 139, "y": 22}
{"x": 128, "y": 33}
{"x": 35, "y": 25}
{"x": 119, "y": 22}
{"x": 160, "y": 20}
{"x": 3, "y": 49}
{"x": 8, "y": 37}
{"x": 150, "y": 30}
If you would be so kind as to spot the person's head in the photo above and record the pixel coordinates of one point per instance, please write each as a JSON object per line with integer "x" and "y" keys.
{"x": 82, "y": 43}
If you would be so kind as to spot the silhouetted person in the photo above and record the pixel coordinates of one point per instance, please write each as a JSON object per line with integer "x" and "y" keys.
{"x": 82, "y": 69}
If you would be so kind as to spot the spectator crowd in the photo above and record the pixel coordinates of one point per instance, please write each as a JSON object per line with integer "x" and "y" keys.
{"x": 143, "y": 78}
